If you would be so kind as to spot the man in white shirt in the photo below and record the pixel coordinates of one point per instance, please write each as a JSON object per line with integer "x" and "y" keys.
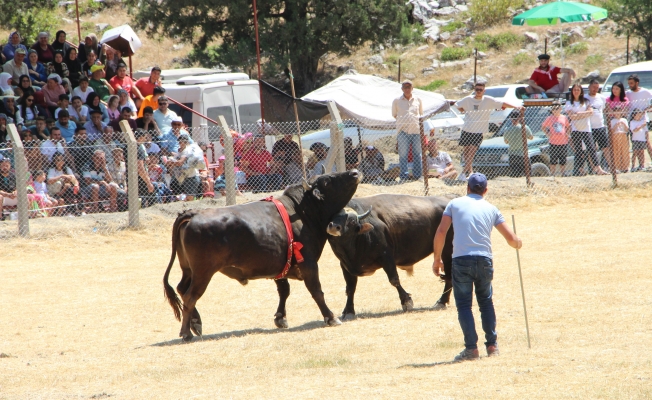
{"x": 439, "y": 161}
{"x": 83, "y": 90}
{"x": 598, "y": 128}
{"x": 639, "y": 98}
{"x": 477, "y": 109}
{"x": 55, "y": 144}
{"x": 16, "y": 67}
{"x": 164, "y": 116}
{"x": 406, "y": 110}
{"x": 78, "y": 111}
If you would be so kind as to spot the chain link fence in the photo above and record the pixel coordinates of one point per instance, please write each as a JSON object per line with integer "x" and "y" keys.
{"x": 109, "y": 174}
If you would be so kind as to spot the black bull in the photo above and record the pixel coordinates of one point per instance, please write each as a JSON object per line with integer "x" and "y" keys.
{"x": 386, "y": 231}
{"x": 249, "y": 241}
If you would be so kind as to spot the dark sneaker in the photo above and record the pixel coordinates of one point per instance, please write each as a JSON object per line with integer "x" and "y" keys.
{"x": 493, "y": 351}
{"x": 467, "y": 355}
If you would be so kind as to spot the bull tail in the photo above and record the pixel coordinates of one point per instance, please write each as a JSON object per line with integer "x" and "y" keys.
{"x": 169, "y": 292}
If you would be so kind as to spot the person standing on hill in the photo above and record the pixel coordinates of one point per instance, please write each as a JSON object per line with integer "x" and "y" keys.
{"x": 407, "y": 110}
{"x": 473, "y": 218}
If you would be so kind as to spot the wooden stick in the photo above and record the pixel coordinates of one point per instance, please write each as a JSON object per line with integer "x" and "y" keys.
{"x": 520, "y": 275}
{"x": 296, "y": 117}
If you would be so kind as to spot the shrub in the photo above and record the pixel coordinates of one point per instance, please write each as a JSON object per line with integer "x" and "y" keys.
{"x": 591, "y": 31}
{"x": 578, "y": 48}
{"x": 453, "y": 26}
{"x": 593, "y": 60}
{"x": 392, "y": 59}
{"x": 500, "y": 41}
{"x": 411, "y": 34}
{"x": 455, "y": 53}
{"x": 492, "y": 12}
{"x": 520, "y": 58}
{"x": 434, "y": 85}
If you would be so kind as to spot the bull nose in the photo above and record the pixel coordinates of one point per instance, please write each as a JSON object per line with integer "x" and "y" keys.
{"x": 334, "y": 230}
{"x": 356, "y": 175}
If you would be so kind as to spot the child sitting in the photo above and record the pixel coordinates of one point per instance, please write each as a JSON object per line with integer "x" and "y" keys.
{"x": 41, "y": 189}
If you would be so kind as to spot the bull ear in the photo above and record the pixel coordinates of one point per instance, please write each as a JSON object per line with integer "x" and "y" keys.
{"x": 364, "y": 228}
{"x": 306, "y": 185}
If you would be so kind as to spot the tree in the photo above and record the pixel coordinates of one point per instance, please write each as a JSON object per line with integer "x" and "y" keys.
{"x": 295, "y": 31}
{"x": 28, "y": 17}
{"x": 633, "y": 16}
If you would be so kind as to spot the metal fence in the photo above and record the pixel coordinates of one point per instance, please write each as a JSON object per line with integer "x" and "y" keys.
{"x": 549, "y": 150}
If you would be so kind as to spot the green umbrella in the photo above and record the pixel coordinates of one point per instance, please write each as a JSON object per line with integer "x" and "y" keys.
{"x": 560, "y": 11}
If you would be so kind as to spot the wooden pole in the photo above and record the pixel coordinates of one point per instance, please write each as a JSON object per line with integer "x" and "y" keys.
{"x": 475, "y": 66}
{"x": 612, "y": 167}
{"x": 22, "y": 173}
{"x": 132, "y": 173}
{"x": 336, "y": 152}
{"x": 545, "y": 46}
{"x": 229, "y": 166}
{"x": 424, "y": 159}
{"x": 78, "y": 28}
{"x": 260, "y": 88}
{"x": 296, "y": 117}
{"x": 627, "y": 57}
{"x": 520, "y": 276}
{"x": 399, "y": 70}
{"x": 526, "y": 158}
{"x": 131, "y": 69}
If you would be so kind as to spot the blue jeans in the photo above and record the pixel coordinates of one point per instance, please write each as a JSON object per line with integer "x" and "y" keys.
{"x": 478, "y": 271}
{"x": 404, "y": 142}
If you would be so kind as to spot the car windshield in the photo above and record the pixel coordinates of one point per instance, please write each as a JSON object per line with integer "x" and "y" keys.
{"x": 496, "y": 92}
{"x": 644, "y": 76}
{"x": 534, "y": 117}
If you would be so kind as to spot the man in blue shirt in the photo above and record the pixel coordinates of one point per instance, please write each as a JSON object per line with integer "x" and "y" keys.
{"x": 66, "y": 126}
{"x": 473, "y": 218}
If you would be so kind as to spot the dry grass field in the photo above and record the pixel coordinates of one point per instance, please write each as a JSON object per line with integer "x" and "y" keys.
{"x": 84, "y": 317}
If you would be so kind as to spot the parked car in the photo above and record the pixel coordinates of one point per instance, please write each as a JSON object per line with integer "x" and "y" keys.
{"x": 511, "y": 94}
{"x": 492, "y": 158}
{"x": 447, "y": 124}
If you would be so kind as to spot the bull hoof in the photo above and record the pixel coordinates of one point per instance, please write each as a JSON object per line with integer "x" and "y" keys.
{"x": 186, "y": 338}
{"x": 439, "y": 306}
{"x": 195, "y": 326}
{"x": 408, "y": 305}
{"x": 348, "y": 317}
{"x": 280, "y": 321}
{"x": 332, "y": 322}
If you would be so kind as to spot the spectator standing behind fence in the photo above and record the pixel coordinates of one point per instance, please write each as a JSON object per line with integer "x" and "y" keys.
{"x": 638, "y": 127}
{"x": 473, "y": 219}
{"x": 477, "y": 109}
{"x": 164, "y": 116}
{"x": 598, "y": 128}
{"x": 9, "y": 49}
{"x": 513, "y": 137}
{"x": 317, "y": 162}
{"x": 616, "y": 101}
{"x": 262, "y": 169}
{"x": 544, "y": 78}
{"x": 557, "y": 128}
{"x": 407, "y": 109}
{"x": 146, "y": 189}
{"x": 287, "y": 151}
{"x": 579, "y": 111}
{"x": 620, "y": 130}
{"x": 16, "y": 67}
{"x": 439, "y": 161}
{"x": 640, "y": 98}
{"x": 8, "y": 194}
{"x": 351, "y": 154}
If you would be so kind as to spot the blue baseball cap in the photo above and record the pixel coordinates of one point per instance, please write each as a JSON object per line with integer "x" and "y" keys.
{"x": 477, "y": 181}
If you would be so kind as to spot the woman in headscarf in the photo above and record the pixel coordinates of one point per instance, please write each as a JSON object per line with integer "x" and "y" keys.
{"x": 5, "y": 84}
{"x": 52, "y": 91}
{"x": 111, "y": 58}
{"x": 37, "y": 72}
{"x": 10, "y": 110}
{"x": 43, "y": 49}
{"x": 74, "y": 67}
{"x": 27, "y": 109}
{"x": 126, "y": 101}
{"x": 24, "y": 85}
{"x": 58, "y": 66}
{"x": 67, "y": 86}
{"x": 10, "y": 48}
{"x": 93, "y": 103}
{"x": 90, "y": 44}
{"x": 90, "y": 61}
{"x": 60, "y": 42}
{"x": 4, "y": 133}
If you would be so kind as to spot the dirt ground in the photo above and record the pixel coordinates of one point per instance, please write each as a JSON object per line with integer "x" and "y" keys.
{"x": 84, "y": 317}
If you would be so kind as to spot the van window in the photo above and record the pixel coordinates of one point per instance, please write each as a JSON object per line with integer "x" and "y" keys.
{"x": 644, "y": 76}
{"x": 185, "y": 115}
{"x": 495, "y": 92}
{"x": 215, "y": 112}
{"x": 249, "y": 113}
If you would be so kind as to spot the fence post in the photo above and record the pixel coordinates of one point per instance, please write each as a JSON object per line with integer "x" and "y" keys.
{"x": 424, "y": 159}
{"x": 229, "y": 173}
{"x": 132, "y": 174}
{"x": 336, "y": 153}
{"x": 612, "y": 167}
{"x": 526, "y": 154}
{"x": 20, "y": 164}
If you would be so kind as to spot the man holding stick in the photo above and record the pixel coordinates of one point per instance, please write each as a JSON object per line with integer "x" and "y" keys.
{"x": 473, "y": 218}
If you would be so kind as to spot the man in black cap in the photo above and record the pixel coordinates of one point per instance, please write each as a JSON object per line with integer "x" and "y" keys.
{"x": 544, "y": 78}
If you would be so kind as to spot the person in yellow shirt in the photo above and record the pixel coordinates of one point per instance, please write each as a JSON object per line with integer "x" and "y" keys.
{"x": 151, "y": 101}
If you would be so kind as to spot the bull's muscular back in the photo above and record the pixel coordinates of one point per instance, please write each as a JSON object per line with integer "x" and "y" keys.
{"x": 405, "y": 224}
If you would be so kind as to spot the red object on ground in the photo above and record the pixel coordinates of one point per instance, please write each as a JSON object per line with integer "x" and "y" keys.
{"x": 293, "y": 247}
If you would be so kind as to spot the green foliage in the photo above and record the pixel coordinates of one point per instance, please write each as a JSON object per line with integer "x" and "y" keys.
{"x": 500, "y": 41}
{"x": 88, "y": 26}
{"x": 591, "y": 31}
{"x": 578, "y": 48}
{"x": 411, "y": 34}
{"x": 492, "y": 12}
{"x": 632, "y": 16}
{"x": 593, "y": 60}
{"x": 28, "y": 17}
{"x": 296, "y": 31}
{"x": 434, "y": 85}
{"x": 455, "y": 53}
{"x": 521, "y": 58}
{"x": 392, "y": 59}
{"x": 87, "y": 7}
{"x": 453, "y": 26}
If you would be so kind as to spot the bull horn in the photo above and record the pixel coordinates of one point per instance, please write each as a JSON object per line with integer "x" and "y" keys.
{"x": 306, "y": 185}
{"x": 323, "y": 169}
{"x": 365, "y": 215}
